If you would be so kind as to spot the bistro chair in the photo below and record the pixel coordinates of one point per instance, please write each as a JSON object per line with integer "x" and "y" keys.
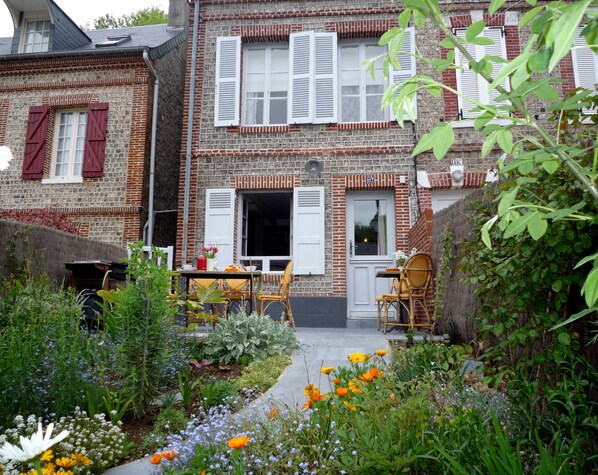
{"x": 208, "y": 312}
{"x": 414, "y": 286}
{"x": 384, "y": 301}
{"x": 235, "y": 291}
{"x": 282, "y": 297}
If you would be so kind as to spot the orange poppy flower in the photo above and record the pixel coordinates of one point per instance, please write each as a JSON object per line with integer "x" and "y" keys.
{"x": 336, "y": 380}
{"x": 156, "y": 458}
{"x": 238, "y": 442}
{"x": 168, "y": 454}
{"x": 307, "y": 405}
{"x": 342, "y": 392}
{"x": 273, "y": 413}
{"x": 308, "y": 389}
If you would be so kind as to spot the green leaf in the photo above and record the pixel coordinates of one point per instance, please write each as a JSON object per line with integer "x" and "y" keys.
{"x": 518, "y": 225}
{"x": 585, "y": 260}
{"x": 495, "y": 5}
{"x": 564, "y": 30}
{"x": 507, "y": 201}
{"x": 498, "y": 329}
{"x": 445, "y": 137}
{"x": 564, "y": 338}
{"x": 447, "y": 43}
{"x": 505, "y": 140}
{"x": 557, "y": 285}
{"x": 474, "y": 30}
{"x": 590, "y": 287}
{"x": 551, "y": 166}
{"x": 483, "y": 119}
{"x": 538, "y": 62}
{"x": 389, "y": 35}
{"x": 546, "y": 92}
{"x": 537, "y": 225}
{"x": 575, "y": 317}
{"x": 529, "y": 16}
{"x": 486, "y": 232}
{"x": 425, "y": 143}
{"x": 489, "y": 143}
{"x": 481, "y": 40}
{"x": 404, "y": 17}
{"x": 419, "y": 19}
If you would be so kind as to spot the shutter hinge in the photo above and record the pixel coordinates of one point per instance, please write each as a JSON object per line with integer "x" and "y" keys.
{"x": 460, "y": 114}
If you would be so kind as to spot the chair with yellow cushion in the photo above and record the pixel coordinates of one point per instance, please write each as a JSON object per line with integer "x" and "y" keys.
{"x": 235, "y": 291}
{"x": 283, "y": 297}
{"x": 384, "y": 301}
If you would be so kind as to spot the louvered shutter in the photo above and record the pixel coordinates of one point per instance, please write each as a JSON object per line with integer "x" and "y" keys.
{"x": 35, "y": 143}
{"x": 585, "y": 65}
{"x": 220, "y": 224}
{"x": 228, "y": 81}
{"x": 301, "y": 78}
{"x": 325, "y": 108}
{"x": 308, "y": 231}
{"x": 95, "y": 140}
{"x": 467, "y": 81}
{"x": 407, "y": 61}
{"x": 499, "y": 48}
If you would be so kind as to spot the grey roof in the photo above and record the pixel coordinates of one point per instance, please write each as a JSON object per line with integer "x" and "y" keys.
{"x": 157, "y": 38}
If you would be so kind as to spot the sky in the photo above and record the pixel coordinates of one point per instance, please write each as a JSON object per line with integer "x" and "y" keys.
{"x": 84, "y": 12}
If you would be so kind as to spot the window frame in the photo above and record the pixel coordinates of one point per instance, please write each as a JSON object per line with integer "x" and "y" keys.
{"x": 71, "y": 177}
{"x": 362, "y": 43}
{"x": 23, "y": 40}
{"x": 267, "y": 48}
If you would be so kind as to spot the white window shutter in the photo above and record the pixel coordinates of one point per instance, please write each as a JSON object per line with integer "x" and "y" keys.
{"x": 407, "y": 62}
{"x": 308, "y": 231}
{"x": 585, "y": 65}
{"x": 467, "y": 81}
{"x": 220, "y": 223}
{"x": 301, "y": 78}
{"x": 499, "y": 48}
{"x": 228, "y": 81}
{"x": 325, "y": 108}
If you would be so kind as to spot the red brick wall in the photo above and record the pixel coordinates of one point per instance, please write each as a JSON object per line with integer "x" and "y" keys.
{"x": 420, "y": 234}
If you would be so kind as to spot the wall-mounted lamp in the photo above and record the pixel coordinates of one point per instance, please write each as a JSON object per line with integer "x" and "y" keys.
{"x": 314, "y": 167}
{"x": 457, "y": 176}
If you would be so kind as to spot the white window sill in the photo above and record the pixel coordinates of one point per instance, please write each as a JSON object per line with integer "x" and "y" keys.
{"x": 469, "y": 123}
{"x": 61, "y": 180}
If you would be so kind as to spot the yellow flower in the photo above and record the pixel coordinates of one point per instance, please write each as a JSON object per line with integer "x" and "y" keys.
{"x": 308, "y": 389}
{"x": 238, "y": 442}
{"x": 381, "y": 352}
{"x": 65, "y": 462}
{"x": 82, "y": 459}
{"x": 354, "y": 387}
{"x": 349, "y": 405}
{"x": 358, "y": 357}
{"x": 49, "y": 469}
{"x": 327, "y": 370}
{"x": 47, "y": 456}
{"x": 66, "y": 472}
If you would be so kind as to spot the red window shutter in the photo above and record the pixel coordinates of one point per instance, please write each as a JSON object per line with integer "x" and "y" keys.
{"x": 35, "y": 143}
{"x": 95, "y": 140}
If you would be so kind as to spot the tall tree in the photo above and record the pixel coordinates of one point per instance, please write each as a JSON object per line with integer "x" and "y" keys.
{"x": 145, "y": 16}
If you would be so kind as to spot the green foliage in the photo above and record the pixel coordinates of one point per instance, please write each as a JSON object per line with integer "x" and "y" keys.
{"x": 139, "y": 323}
{"x": 262, "y": 375}
{"x": 169, "y": 421}
{"x": 43, "y": 365}
{"x": 187, "y": 386}
{"x": 529, "y": 146}
{"x": 216, "y": 392}
{"x": 142, "y": 17}
{"x": 251, "y": 335}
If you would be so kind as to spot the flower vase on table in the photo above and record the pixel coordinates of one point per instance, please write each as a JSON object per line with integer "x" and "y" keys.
{"x": 211, "y": 264}
{"x": 210, "y": 255}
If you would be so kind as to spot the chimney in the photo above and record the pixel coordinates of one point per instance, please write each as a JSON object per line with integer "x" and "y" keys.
{"x": 178, "y": 14}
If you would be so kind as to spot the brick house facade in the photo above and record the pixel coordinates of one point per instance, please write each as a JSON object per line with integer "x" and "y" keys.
{"x": 76, "y": 111}
{"x": 254, "y": 140}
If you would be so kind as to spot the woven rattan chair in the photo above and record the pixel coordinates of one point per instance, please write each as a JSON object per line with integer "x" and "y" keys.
{"x": 283, "y": 297}
{"x": 235, "y": 291}
{"x": 384, "y": 301}
{"x": 414, "y": 287}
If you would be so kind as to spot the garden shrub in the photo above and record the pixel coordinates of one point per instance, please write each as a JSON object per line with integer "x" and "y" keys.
{"x": 262, "y": 375}
{"x": 216, "y": 392}
{"x": 169, "y": 420}
{"x": 98, "y": 439}
{"x": 139, "y": 321}
{"x": 43, "y": 355}
{"x": 248, "y": 335}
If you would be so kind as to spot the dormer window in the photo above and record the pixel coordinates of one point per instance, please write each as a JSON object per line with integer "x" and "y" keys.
{"x": 113, "y": 41}
{"x": 37, "y": 36}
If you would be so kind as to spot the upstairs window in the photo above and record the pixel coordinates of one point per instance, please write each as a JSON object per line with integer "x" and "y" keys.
{"x": 585, "y": 65}
{"x": 69, "y": 144}
{"x": 37, "y": 36}
{"x": 265, "y": 84}
{"x": 361, "y": 95}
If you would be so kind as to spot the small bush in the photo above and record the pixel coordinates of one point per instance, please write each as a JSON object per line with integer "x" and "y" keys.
{"x": 262, "y": 375}
{"x": 248, "y": 335}
{"x": 216, "y": 392}
{"x": 169, "y": 421}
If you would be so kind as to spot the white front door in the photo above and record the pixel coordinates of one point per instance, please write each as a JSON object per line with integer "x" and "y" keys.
{"x": 370, "y": 244}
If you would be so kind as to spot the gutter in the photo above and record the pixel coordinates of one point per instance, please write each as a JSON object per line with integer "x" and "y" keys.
{"x": 189, "y": 150}
{"x": 150, "y": 231}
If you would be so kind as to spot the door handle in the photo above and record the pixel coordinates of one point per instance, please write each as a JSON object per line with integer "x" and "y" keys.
{"x": 350, "y": 248}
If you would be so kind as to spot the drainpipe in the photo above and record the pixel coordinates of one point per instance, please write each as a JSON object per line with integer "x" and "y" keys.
{"x": 190, "y": 119}
{"x": 150, "y": 229}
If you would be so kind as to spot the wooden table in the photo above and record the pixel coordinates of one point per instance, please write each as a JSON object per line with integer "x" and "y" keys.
{"x": 187, "y": 275}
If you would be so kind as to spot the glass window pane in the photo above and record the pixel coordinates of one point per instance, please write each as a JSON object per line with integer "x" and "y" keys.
{"x": 349, "y": 57}
{"x": 255, "y": 60}
{"x": 350, "y": 109}
{"x": 374, "y": 111}
{"x": 255, "y": 82}
{"x": 370, "y": 229}
{"x": 279, "y": 82}
{"x": 254, "y": 111}
{"x": 278, "y": 111}
{"x": 279, "y": 61}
